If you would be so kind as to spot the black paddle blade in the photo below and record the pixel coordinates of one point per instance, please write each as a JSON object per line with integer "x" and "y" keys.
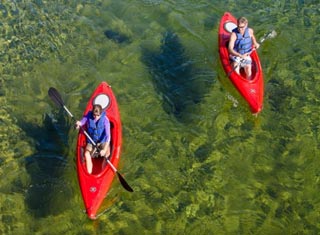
{"x": 124, "y": 183}
{"x": 55, "y": 96}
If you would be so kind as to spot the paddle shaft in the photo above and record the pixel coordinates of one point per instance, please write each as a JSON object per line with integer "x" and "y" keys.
{"x": 56, "y": 97}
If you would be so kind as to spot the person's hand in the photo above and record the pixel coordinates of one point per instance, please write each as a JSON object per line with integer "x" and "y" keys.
{"x": 245, "y": 56}
{"x": 257, "y": 45}
{"x": 77, "y": 125}
{"x": 102, "y": 152}
{"x": 238, "y": 59}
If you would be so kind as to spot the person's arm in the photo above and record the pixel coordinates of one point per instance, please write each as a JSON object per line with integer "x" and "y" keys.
{"x": 232, "y": 40}
{"x": 106, "y": 150}
{"x": 107, "y": 130}
{"x": 254, "y": 41}
{"x": 81, "y": 122}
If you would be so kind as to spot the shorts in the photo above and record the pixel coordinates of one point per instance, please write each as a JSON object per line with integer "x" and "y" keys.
{"x": 91, "y": 149}
{"x": 243, "y": 62}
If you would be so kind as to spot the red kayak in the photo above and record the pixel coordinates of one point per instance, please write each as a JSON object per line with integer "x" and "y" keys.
{"x": 94, "y": 187}
{"x": 251, "y": 90}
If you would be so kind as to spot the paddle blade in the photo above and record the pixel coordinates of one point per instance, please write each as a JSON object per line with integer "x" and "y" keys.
{"x": 55, "y": 96}
{"x": 271, "y": 34}
{"x": 124, "y": 183}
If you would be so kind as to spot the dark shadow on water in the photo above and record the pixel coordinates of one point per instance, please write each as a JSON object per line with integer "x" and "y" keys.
{"x": 278, "y": 94}
{"x": 174, "y": 76}
{"x": 116, "y": 36}
{"x": 48, "y": 193}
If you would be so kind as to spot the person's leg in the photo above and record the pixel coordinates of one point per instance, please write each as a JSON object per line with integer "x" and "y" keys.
{"x": 248, "y": 67}
{"x": 235, "y": 63}
{"x": 87, "y": 155}
{"x": 106, "y": 148}
{"x": 236, "y": 67}
{"x": 248, "y": 71}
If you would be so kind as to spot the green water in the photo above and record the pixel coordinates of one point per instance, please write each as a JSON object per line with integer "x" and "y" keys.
{"x": 198, "y": 161}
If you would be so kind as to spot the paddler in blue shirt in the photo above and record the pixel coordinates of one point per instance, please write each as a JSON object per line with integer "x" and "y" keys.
{"x": 242, "y": 41}
{"x": 98, "y": 127}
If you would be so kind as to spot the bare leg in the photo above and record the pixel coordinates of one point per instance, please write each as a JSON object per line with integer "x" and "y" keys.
{"x": 236, "y": 67}
{"x": 87, "y": 155}
{"x": 107, "y": 150}
{"x": 248, "y": 72}
{"x": 88, "y": 161}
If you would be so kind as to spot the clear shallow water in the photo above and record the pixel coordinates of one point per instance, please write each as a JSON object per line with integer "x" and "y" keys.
{"x": 198, "y": 161}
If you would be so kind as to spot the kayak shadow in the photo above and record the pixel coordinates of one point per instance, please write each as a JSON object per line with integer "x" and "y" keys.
{"x": 48, "y": 193}
{"x": 174, "y": 76}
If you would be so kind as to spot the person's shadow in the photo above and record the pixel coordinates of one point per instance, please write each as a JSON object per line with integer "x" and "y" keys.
{"x": 174, "y": 76}
{"x": 48, "y": 192}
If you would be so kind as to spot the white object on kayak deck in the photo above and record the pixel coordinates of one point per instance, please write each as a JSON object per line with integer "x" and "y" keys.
{"x": 102, "y": 100}
{"x": 229, "y": 26}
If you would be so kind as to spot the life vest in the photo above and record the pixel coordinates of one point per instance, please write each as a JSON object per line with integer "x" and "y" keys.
{"x": 243, "y": 44}
{"x": 96, "y": 130}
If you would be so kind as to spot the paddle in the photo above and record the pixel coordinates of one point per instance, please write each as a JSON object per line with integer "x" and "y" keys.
{"x": 271, "y": 34}
{"x": 56, "y": 97}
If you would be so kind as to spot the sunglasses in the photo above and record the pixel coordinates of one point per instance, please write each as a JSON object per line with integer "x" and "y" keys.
{"x": 242, "y": 26}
